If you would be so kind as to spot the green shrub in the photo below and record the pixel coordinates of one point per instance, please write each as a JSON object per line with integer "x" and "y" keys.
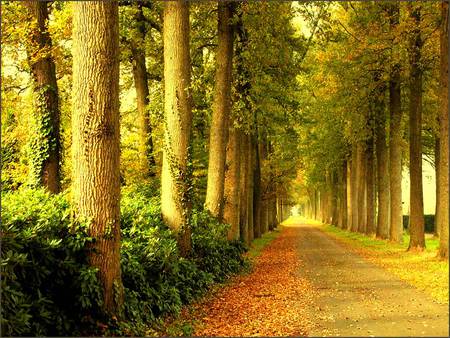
{"x": 47, "y": 286}
{"x": 211, "y": 250}
{"x": 49, "y": 289}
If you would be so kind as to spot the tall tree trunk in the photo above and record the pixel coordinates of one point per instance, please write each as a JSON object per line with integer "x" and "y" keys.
{"x": 349, "y": 194}
{"x": 96, "y": 145}
{"x": 437, "y": 151}
{"x": 137, "y": 44}
{"x": 45, "y": 144}
{"x": 444, "y": 138}
{"x": 395, "y": 141}
{"x": 382, "y": 153}
{"x": 257, "y": 200}
{"x": 232, "y": 178}
{"x": 175, "y": 178}
{"x": 274, "y": 222}
{"x": 251, "y": 186}
{"x": 334, "y": 198}
{"x": 264, "y": 191}
{"x": 416, "y": 218}
{"x": 354, "y": 184}
{"x": 361, "y": 181}
{"x": 344, "y": 195}
{"x": 243, "y": 188}
{"x": 221, "y": 111}
{"x": 370, "y": 187}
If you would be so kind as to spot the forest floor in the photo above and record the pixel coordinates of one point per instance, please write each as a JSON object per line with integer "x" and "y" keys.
{"x": 308, "y": 282}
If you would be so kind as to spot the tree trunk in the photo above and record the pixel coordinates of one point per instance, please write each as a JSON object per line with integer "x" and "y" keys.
{"x": 251, "y": 186}
{"x": 382, "y": 153}
{"x": 349, "y": 194}
{"x": 344, "y": 195}
{"x": 416, "y": 218}
{"x": 443, "y": 158}
{"x": 45, "y": 144}
{"x": 395, "y": 141}
{"x": 274, "y": 222}
{"x": 334, "y": 198}
{"x": 370, "y": 188}
{"x": 232, "y": 178}
{"x": 96, "y": 139}
{"x": 145, "y": 149}
{"x": 243, "y": 188}
{"x": 257, "y": 200}
{"x": 175, "y": 178}
{"x": 264, "y": 191}
{"x": 437, "y": 151}
{"x": 361, "y": 181}
{"x": 221, "y": 111}
{"x": 354, "y": 184}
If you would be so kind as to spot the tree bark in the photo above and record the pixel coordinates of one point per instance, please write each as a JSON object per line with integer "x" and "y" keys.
{"x": 382, "y": 153}
{"x": 251, "y": 186}
{"x": 437, "y": 151}
{"x": 354, "y": 186}
{"x": 232, "y": 178}
{"x": 416, "y": 218}
{"x": 334, "y": 198}
{"x": 243, "y": 188}
{"x": 349, "y": 194}
{"x": 264, "y": 189}
{"x": 221, "y": 111}
{"x": 343, "y": 202}
{"x": 96, "y": 145}
{"x": 257, "y": 198}
{"x": 45, "y": 145}
{"x": 395, "y": 142}
{"x": 370, "y": 187}
{"x": 139, "y": 69}
{"x": 444, "y": 138}
{"x": 175, "y": 178}
{"x": 361, "y": 182}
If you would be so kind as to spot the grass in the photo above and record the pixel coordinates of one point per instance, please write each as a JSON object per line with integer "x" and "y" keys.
{"x": 423, "y": 270}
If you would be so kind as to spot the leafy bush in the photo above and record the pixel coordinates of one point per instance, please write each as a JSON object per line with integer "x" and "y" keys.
{"x": 47, "y": 286}
{"x": 49, "y": 289}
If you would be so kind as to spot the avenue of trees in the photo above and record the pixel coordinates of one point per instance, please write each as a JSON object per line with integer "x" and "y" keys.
{"x": 383, "y": 72}
{"x": 225, "y": 114}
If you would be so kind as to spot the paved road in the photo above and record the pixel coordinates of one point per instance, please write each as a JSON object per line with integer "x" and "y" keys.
{"x": 356, "y": 298}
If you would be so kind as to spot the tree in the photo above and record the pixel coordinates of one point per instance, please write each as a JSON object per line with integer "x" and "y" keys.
{"x": 354, "y": 189}
{"x": 221, "y": 111}
{"x": 395, "y": 138}
{"x": 175, "y": 178}
{"x": 443, "y": 135}
{"x": 232, "y": 184}
{"x": 370, "y": 185}
{"x": 361, "y": 186}
{"x": 137, "y": 46}
{"x": 257, "y": 198}
{"x": 243, "y": 188}
{"x": 95, "y": 126}
{"x": 416, "y": 219}
{"x": 45, "y": 145}
{"x": 382, "y": 155}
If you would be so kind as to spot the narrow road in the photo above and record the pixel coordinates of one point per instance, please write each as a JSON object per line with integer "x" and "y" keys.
{"x": 353, "y": 297}
{"x": 306, "y": 284}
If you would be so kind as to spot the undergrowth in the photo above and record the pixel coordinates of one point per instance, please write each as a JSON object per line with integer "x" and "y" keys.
{"x": 48, "y": 289}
